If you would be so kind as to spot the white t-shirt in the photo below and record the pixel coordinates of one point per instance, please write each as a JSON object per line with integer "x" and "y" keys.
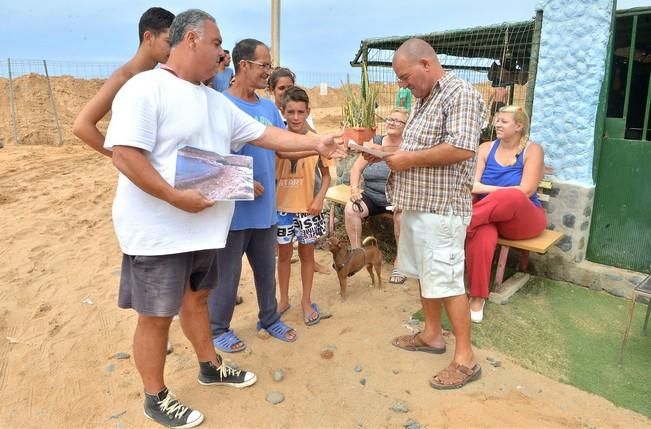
{"x": 160, "y": 113}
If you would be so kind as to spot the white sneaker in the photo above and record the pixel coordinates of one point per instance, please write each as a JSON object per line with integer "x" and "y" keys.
{"x": 478, "y": 316}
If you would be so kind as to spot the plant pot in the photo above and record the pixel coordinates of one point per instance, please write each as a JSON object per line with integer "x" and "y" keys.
{"x": 358, "y": 135}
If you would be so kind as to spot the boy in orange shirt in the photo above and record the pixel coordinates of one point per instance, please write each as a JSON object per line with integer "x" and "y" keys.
{"x": 299, "y": 201}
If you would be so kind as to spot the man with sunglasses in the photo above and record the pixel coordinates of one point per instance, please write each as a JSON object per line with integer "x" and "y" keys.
{"x": 253, "y": 229}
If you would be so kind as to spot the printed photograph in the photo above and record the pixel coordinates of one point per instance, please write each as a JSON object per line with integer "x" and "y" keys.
{"x": 217, "y": 177}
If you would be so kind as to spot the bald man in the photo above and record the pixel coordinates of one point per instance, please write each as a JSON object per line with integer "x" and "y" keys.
{"x": 431, "y": 182}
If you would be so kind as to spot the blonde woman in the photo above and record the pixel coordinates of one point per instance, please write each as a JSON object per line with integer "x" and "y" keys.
{"x": 507, "y": 176}
{"x": 370, "y": 199}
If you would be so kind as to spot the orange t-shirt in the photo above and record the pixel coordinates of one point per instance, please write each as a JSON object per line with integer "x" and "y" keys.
{"x": 295, "y": 188}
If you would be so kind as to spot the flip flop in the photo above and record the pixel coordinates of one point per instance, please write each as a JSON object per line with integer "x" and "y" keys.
{"x": 307, "y": 318}
{"x": 455, "y": 376}
{"x": 396, "y": 277}
{"x": 279, "y": 330}
{"x": 413, "y": 344}
{"x": 227, "y": 340}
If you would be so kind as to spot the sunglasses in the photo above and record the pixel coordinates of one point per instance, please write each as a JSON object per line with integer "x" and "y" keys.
{"x": 391, "y": 121}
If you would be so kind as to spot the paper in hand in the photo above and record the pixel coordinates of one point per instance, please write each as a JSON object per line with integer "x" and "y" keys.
{"x": 375, "y": 152}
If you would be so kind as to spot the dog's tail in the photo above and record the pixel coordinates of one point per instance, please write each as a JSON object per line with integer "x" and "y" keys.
{"x": 369, "y": 239}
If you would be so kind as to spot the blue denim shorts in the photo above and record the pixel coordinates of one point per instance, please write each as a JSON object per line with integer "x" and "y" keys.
{"x": 154, "y": 285}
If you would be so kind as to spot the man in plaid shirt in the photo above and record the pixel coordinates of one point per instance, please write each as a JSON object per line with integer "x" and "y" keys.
{"x": 431, "y": 179}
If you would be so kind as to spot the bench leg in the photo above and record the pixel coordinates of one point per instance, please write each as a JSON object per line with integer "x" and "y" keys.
{"x": 331, "y": 220}
{"x": 646, "y": 318}
{"x": 631, "y": 307}
{"x": 524, "y": 260}
{"x": 501, "y": 265}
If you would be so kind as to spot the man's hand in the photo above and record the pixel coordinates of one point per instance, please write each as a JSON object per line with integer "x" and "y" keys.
{"x": 399, "y": 161}
{"x": 329, "y": 146}
{"x": 370, "y": 158}
{"x": 258, "y": 189}
{"x": 190, "y": 200}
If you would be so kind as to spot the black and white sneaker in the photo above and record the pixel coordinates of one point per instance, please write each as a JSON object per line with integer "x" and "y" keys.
{"x": 224, "y": 375}
{"x": 165, "y": 409}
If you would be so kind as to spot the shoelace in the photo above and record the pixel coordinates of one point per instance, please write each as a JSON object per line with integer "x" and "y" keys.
{"x": 225, "y": 371}
{"x": 172, "y": 405}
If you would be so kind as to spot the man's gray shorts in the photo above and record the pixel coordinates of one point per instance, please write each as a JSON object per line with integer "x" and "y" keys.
{"x": 154, "y": 285}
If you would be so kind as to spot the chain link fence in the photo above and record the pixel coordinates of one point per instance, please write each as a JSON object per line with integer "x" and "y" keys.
{"x": 498, "y": 60}
{"x": 40, "y": 99}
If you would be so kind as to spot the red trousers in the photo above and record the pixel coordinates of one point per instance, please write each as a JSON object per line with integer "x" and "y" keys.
{"x": 507, "y": 213}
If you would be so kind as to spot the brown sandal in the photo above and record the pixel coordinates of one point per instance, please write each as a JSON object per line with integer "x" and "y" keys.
{"x": 455, "y": 376}
{"x": 413, "y": 343}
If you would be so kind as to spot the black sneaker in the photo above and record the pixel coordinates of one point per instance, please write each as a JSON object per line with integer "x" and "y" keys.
{"x": 224, "y": 375}
{"x": 165, "y": 409}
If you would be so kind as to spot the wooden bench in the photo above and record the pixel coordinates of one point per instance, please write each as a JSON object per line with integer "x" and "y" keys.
{"x": 503, "y": 290}
{"x": 340, "y": 194}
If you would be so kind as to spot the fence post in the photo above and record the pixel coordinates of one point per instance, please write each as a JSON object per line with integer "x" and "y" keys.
{"x": 12, "y": 102}
{"x": 533, "y": 63}
{"x": 54, "y": 107}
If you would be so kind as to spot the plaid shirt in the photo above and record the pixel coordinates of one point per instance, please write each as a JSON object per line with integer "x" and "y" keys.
{"x": 453, "y": 113}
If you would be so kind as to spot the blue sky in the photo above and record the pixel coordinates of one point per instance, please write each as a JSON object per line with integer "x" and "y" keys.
{"x": 316, "y": 36}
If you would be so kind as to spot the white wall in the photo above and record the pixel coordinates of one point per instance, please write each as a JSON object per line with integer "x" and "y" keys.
{"x": 571, "y": 68}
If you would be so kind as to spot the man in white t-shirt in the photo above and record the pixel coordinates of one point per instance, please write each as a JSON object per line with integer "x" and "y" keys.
{"x": 169, "y": 237}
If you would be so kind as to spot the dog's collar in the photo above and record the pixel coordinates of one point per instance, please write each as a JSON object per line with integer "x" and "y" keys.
{"x": 339, "y": 267}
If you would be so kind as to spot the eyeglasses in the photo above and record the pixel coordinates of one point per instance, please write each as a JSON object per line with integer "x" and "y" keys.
{"x": 391, "y": 121}
{"x": 265, "y": 67}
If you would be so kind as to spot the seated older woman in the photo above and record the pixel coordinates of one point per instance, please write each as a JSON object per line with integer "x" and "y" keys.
{"x": 507, "y": 176}
{"x": 371, "y": 199}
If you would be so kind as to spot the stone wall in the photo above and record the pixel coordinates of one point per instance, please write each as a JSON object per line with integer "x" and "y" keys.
{"x": 571, "y": 69}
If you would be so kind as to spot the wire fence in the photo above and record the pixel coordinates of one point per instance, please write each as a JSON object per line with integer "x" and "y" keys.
{"x": 497, "y": 60}
{"x": 17, "y": 67}
{"x": 39, "y": 99}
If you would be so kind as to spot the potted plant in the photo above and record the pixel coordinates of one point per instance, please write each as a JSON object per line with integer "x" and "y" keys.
{"x": 359, "y": 111}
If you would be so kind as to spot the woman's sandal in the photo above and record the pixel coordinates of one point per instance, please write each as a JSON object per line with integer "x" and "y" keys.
{"x": 309, "y": 318}
{"x": 455, "y": 376}
{"x": 227, "y": 340}
{"x": 396, "y": 277}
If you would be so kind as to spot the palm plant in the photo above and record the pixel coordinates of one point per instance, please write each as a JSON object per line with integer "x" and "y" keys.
{"x": 359, "y": 111}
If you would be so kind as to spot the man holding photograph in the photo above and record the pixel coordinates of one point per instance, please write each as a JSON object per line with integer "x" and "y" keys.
{"x": 169, "y": 238}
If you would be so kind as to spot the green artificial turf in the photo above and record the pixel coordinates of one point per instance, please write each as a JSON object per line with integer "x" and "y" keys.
{"x": 572, "y": 334}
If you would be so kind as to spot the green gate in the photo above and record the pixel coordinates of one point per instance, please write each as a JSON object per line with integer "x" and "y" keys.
{"x": 620, "y": 234}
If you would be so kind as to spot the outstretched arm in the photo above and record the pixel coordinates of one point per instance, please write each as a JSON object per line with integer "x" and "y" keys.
{"x": 280, "y": 140}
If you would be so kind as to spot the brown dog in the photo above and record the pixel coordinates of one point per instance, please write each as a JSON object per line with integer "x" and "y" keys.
{"x": 347, "y": 262}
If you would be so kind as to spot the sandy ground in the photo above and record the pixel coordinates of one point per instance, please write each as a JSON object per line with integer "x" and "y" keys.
{"x": 60, "y": 327}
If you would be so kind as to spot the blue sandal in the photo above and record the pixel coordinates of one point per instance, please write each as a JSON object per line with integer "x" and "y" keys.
{"x": 279, "y": 330}
{"x": 307, "y": 317}
{"x": 227, "y": 340}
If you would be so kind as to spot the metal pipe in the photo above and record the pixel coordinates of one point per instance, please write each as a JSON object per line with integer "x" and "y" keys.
{"x": 54, "y": 107}
{"x": 275, "y": 32}
{"x": 12, "y": 102}
{"x": 631, "y": 61}
{"x": 533, "y": 63}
